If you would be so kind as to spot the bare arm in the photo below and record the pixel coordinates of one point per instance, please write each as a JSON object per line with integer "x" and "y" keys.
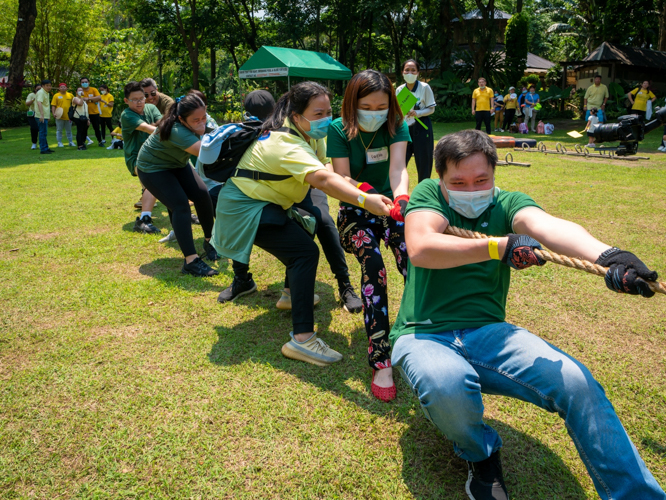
{"x": 559, "y": 235}
{"x": 29, "y": 103}
{"x": 334, "y": 185}
{"x": 630, "y": 97}
{"x": 40, "y": 107}
{"x": 473, "y": 106}
{"x": 398, "y": 176}
{"x": 147, "y": 128}
{"x": 53, "y": 108}
{"x": 194, "y": 148}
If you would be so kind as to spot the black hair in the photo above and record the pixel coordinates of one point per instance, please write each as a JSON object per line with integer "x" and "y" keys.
{"x": 46, "y": 82}
{"x": 132, "y": 87}
{"x": 597, "y": 76}
{"x": 36, "y": 85}
{"x": 104, "y": 86}
{"x": 454, "y": 148}
{"x": 148, "y": 82}
{"x": 593, "y": 111}
{"x": 294, "y": 102}
{"x": 418, "y": 68}
{"x": 532, "y": 87}
{"x": 180, "y": 109}
{"x": 83, "y": 78}
{"x": 199, "y": 94}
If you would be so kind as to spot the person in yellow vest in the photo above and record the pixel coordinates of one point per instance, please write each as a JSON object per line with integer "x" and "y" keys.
{"x": 92, "y": 98}
{"x": 62, "y": 100}
{"x": 639, "y": 98}
{"x": 106, "y": 108}
{"x": 483, "y": 100}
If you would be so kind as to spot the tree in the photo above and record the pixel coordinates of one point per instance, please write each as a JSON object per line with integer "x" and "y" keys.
{"x": 515, "y": 40}
{"x": 27, "y": 14}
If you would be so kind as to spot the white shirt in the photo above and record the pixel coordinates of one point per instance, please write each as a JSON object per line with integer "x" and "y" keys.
{"x": 593, "y": 120}
{"x": 425, "y": 104}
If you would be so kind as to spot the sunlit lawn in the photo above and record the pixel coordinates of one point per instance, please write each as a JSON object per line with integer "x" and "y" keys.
{"x": 122, "y": 378}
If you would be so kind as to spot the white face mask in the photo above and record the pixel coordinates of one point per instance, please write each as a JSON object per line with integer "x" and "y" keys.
{"x": 103, "y": 92}
{"x": 371, "y": 121}
{"x": 470, "y": 204}
{"x": 410, "y": 77}
{"x": 80, "y": 92}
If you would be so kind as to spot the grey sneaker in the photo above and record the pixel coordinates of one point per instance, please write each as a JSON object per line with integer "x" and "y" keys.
{"x": 145, "y": 225}
{"x": 485, "y": 480}
{"x": 198, "y": 268}
{"x": 238, "y": 288}
{"x": 313, "y": 350}
{"x": 348, "y": 299}
{"x": 284, "y": 303}
{"x": 169, "y": 237}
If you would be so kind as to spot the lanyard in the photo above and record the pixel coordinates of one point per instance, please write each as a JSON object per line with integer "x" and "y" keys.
{"x": 373, "y": 138}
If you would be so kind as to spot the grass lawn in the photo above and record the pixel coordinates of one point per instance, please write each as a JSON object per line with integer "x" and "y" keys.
{"x": 122, "y": 378}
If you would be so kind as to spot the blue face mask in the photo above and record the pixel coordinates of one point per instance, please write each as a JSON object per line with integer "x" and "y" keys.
{"x": 319, "y": 128}
{"x": 524, "y": 92}
{"x": 470, "y": 204}
{"x": 371, "y": 121}
{"x": 85, "y": 85}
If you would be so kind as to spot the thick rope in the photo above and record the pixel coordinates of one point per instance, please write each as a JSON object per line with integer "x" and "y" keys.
{"x": 563, "y": 260}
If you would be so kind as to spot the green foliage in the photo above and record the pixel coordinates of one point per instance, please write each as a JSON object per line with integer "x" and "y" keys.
{"x": 450, "y": 91}
{"x": 527, "y": 80}
{"x": 452, "y": 114}
{"x": 492, "y": 68}
{"x": 516, "y": 34}
{"x": 12, "y": 116}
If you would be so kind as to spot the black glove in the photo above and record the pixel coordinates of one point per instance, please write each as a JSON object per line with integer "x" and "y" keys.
{"x": 626, "y": 273}
{"x": 519, "y": 252}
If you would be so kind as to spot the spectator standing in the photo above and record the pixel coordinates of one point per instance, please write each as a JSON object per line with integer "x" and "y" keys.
{"x": 63, "y": 100}
{"x": 32, "y": 121}
{"x": 639, "y": 98}
{"x": 154, "y": 97}
{"x": 531, "y": 100}
{"x": 483, "y": 101}
{"x": 499, "y": 110}
{"x": 106, "y": 108}
{"x": 92, "y": 97}
{"x": 423, "y": 141}
{"x": 521, "y": 105}
{"x": 81, "y": 119}
{"x": 596, "y": 96}
{"x": 43, "y": 112}
{"x": 510, "y": 105}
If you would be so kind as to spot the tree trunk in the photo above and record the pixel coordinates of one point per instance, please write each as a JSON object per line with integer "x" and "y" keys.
{"x": 519, "y": 6}
{"x": 213, "y": 73}
{"x": 194, "y": 60}
{"x": 27, "y": 13}
{"x": 662, "y": 26}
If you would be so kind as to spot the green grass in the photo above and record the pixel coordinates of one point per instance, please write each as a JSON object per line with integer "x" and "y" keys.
{"x": 121, "y": 378}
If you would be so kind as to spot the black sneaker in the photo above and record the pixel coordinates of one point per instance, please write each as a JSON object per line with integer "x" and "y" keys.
{"x": 238, "y": 288}
{"x": 209, "y": 252}
{"x": 349, "y": 301}
{"x": 102, "y": 144}
{"x": 198, "y": 268}
{"x": 47, "y": 152}
{"x": 195, "y": 219}
{"x": 145, "y": 225}
{"x": 485, "y": 480}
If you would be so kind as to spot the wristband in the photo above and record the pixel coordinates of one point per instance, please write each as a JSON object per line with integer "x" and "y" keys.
{"x": 361, "y": 200}
{"x": 493, "y": 248}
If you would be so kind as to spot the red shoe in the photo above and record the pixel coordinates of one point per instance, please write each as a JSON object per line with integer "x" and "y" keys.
{"x": 385, "y": 394}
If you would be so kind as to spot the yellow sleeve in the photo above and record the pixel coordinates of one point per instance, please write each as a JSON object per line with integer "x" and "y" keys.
{"x": 54, "y": 101}
{"x": 634, "y": 92}
{"x": 95, "y": 91}
{"x": 475, "y": 94}
{"x": 651, "y": 95}
{"x": 299, "y": 162}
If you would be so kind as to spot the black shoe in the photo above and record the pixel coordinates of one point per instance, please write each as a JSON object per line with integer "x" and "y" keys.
{"x": 102, "y": 144}
{"x": 198, "y": 268}
{"x": 485, "y": 480}
{"x": 349, "y": 301}
{"x": 145, "y": 225}
{"x": 238, "y": 288}
{"x": 195, "y": 219}
{"x": 209, "y": 252}
{"x": 47, "y": 152}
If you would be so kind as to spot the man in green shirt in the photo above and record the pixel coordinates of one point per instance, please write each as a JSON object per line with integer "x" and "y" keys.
{"x": 595, "y": 97}
{"x": 137, "y": 123}
{"x": 451, "y": 343}
{"x": 43, "y": 115}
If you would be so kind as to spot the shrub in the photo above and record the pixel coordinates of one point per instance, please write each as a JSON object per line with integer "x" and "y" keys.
{"x": 452, "y": 114}
{"x": 11, "y": 116}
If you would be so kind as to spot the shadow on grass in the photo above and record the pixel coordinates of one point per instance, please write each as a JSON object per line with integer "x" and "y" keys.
{"x": 654, "y": 446}
{"x": 168, "y": 270}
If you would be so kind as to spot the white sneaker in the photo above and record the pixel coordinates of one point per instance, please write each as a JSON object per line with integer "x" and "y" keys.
{"x": 72, "y": 144}
{"x": 169, "y": 237}
{"x": 110, "y": 147}
{"x": 89, "y": 141}
{"x": 60, "y": 145}
{"x": 660, "y": 148}
{"x": 501, "y": 130}
{"x": 34, "y": 146}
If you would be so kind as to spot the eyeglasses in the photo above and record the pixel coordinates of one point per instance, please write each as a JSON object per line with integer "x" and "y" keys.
{"x": 137, "y": 101}
{"x": 153, "y": 94}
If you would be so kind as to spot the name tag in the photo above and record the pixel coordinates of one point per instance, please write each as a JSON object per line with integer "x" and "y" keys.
{"x": 377, "y": 155}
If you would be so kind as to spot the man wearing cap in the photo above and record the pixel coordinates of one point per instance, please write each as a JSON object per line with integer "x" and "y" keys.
{"x": 154, "y": 97}
{"x": 60, "y": 105}
{"x": 43, "y": 101}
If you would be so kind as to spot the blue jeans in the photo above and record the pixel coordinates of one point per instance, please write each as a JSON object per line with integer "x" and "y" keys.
{"x": 600, "y": 115}
{"x": 449, "y": 371}
{"x": 43, "y": 129}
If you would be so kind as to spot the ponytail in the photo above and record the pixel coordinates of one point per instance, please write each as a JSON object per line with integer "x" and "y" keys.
{"x": 294, "y": 102}
{"x": 182, "y": 108}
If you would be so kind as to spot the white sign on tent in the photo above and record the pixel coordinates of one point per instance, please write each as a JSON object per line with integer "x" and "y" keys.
{"x": 264, "y": 72}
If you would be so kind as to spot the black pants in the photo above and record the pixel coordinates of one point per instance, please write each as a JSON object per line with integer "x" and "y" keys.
{"x": 95, "y": 122}
{"x": 34, "y": 129}
{"x": 639, "y": 113}
{"x": 422, "y": 147}
{"x": 509, "y": 115}
{"x": 105, "y": 123}
{"x": 174, "y": 187}
{"x": 294, "y": 247}
{"x": 214, "y": 193}
{"x": 81, "y": 131}
{"x": 483, "y": 116}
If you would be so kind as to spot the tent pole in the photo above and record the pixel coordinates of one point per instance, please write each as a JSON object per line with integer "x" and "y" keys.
{"x": 288, "y": 82}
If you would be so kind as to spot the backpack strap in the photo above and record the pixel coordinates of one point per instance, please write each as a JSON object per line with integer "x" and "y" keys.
{"x": 264, "y": 176}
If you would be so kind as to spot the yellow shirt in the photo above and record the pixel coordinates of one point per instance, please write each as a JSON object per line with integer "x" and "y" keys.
{"x": 510, "y": 103}
{"x": 63, "y": 101}
{"x": 118, "y": 131}
{"x": 483, "y": 98}
{"x": 641, "y": 98}
{"x": 106, "y": 110}
{"x": 595, "y": 95}
{"x": 281, "y": 153}
{"x": 93, "y": 107}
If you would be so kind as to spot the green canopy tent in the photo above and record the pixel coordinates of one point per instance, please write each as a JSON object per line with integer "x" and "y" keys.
{"x": 278, "y": 63}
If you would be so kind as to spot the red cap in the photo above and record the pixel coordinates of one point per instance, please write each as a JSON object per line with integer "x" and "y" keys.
{"x": 62, "y": 85}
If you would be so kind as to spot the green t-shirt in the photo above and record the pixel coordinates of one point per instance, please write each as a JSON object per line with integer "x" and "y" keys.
{"x": 470, "y": 296}
{"x": 157, "y": 155}
{"x": 133, "y": 138}
{"x": 375, "y": 174}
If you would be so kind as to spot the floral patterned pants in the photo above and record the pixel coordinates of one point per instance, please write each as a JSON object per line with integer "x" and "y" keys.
{"x": 361, "y": 234}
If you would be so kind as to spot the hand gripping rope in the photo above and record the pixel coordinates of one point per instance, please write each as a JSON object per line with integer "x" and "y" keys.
{"x": 563, "y": 260}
